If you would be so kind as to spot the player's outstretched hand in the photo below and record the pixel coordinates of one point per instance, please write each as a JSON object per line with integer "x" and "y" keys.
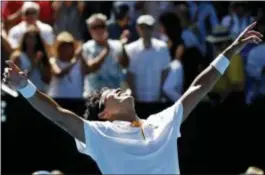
{"x": 247, "y": 36}
{"x": 14, "y": 76}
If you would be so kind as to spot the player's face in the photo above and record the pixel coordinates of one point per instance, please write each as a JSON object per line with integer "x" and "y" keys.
{"x": 117, "y": 101}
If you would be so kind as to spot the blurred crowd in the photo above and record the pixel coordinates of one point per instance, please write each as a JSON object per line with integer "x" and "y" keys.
{"x": 70, "y": 48}
{"x": 155, "y": 49}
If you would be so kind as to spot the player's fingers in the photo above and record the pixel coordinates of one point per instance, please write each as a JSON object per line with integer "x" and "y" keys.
{"x": 251, "y": 26}
{"x": 253, "y": 32}
{"x": 252, "y": 39}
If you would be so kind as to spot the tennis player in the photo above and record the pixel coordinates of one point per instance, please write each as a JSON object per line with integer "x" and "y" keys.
{"x": 123, "y": 143}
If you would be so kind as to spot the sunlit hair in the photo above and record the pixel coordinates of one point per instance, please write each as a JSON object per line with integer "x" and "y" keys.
{"x": 96, "y": 16}
{"x": 64, "y": 37}
{"x": 93, "y": 106}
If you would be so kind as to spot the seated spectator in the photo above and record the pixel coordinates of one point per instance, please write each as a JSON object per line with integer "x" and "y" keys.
{"x": 32, "y": 58}
{"x": 148, "y": 57}
{"x": 233, "y": 79}
{"x": 68, "y": 17}
{"x": 30, "y": 13}
{"x": 121, "y": 25}
{"x": 67, "y": 69}
{"x": 101, "y": 57}
{"x": 171, "y": 33}
{"x": 238, "y": 19}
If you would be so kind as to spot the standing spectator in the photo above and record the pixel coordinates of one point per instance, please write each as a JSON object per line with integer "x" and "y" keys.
{"x": 148, "y": 57}
{"x": 32, "y": 58}
{"x": 188, "y": 35}
{"x": 68, "y": 17}
{"x": 121, "y": 25}
{"x": 204, "y": 15}
{"x": 67, "y": 70}
{"x": 12, "y": 12}
{"x": 171, "y": 31}
{"x": 101, "y": 57}
{"x": 238, "y": 18}
{"x": 30, "y": 13}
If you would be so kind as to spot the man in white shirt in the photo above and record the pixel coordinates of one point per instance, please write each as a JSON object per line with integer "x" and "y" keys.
{"x": 30, "y": 12}
{"x": 147, "y": 58}
{"x": 125, "y": 144}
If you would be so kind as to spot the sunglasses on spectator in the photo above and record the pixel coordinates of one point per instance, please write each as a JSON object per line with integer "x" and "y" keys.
{"x": 30, "y": 12}
{"x": 99, "y": 26}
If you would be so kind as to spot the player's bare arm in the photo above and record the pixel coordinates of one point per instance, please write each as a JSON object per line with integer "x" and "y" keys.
{"x": 65, "y": 119}
{"x": 204, "y": 82}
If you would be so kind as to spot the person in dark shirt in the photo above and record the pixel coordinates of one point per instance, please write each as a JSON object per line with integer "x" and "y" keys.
{"x": 121, "y": 27}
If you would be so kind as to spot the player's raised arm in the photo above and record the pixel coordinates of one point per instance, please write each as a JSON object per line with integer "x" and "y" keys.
{"x": 204, "y": 82}
{"x": 65, "y": 119}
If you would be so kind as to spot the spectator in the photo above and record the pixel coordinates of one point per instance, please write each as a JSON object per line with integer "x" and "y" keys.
{"x": 67, "y": 70}
{"x": 188, "y": 35}
{"x": 238, "y": 19}
{"x": 255, "y": 68}
{"x": 68, "y": 17}
{"x": 12, "y": 12}
{"x": 121, "y": 25}
{"x": 171, "y": 31}
{"x": 204, "y": 15}
{"x": 32, "y": 58}
{"x": 101, "y": 57}
{"x": 146, "y": 51}
{"x": 136, "y": 8}
{"x": 30, "y": 13}
{"x": 233, "y": 79}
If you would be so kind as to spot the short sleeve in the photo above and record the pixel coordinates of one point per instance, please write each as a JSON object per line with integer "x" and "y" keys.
{"x": 48, "y": 36}
{"x": 14, "y": 37}
{"x": 171, "y": 117}
{"x": 165, "y": 57}
{"x": 94, "y": 132}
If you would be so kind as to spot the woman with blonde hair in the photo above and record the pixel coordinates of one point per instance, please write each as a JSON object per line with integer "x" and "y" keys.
{"x": 31, "y": 56}
{"x": 67, "y": 68}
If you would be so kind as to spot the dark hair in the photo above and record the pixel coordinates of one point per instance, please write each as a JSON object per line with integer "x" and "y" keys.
{"x": 173, "y": 29}
{"x": 38, "y": 47}
{"x": 120, "y": 11}
{"x": 92, "y": 105}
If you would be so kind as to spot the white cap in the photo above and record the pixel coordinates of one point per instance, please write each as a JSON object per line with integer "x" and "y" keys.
{"x": 30, "y": 5}
{"x": 146, "y": 19}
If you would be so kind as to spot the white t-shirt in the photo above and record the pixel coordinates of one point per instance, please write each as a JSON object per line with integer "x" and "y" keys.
{"x": 119, "y": 148}
{"x": 147, "y": 66}
{"x": 70, "y": 85}
{"x": 16, "y": 33}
